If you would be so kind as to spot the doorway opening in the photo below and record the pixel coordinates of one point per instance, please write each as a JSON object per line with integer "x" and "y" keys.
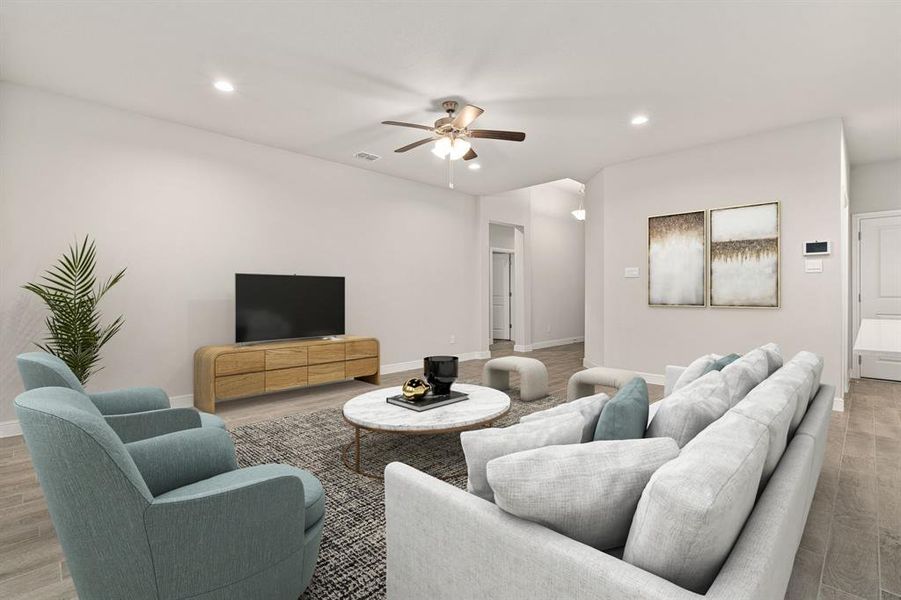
{"x": 503, "y": 297}
{"x": 876, "y": 293}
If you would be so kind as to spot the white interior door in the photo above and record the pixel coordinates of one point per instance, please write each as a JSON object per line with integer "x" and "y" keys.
{"x": 501, "y": 292}
{"x": 880, "y": 285}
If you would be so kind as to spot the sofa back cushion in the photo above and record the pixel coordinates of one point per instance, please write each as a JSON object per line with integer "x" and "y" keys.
{"x": 743, "y": 374}
{"x": 483, "y": 445}
{"x": 625, "y": 416}
{"x": 815, "y": 362}
{"x": 696, "y": 369}
{"x": 694, "y": 506}
{"x": 587, "y": 492}
{"x": 589, "y": 408}
{"x": 689, "y": 410}
{"x": 773, "y": 357}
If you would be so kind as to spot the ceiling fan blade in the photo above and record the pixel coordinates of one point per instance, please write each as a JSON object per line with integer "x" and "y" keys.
{"x": 470, "y": 155}
{"x": 413, "y": 125}
{"x": 415, "y": 144}
{"x": 491, "y": 134}
{"x": 467, "y": 115}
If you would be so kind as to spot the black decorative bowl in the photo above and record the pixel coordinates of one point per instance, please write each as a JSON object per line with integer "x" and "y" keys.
{"x": 440, "y": 372}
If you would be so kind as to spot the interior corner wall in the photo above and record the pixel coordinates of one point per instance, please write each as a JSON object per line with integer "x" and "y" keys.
{"x": 875, "y": 186}
{"x": 185, "y": 209}
{"x": 594, "y": 271}
{"x": 800, "y": 167}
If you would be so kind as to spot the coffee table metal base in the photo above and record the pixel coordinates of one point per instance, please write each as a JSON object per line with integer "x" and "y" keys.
{"x": 354, "y": 465}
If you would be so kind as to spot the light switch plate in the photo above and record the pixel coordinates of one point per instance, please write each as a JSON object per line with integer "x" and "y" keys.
{"x": 631, "y": 272}
{"x": 813, "y": 265}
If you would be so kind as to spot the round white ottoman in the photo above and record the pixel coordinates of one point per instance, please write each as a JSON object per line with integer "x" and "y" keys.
{"x": 582, "y": 383}
{"x": 532, "y": 376}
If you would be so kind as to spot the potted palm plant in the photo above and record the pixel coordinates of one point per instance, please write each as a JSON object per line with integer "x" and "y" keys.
{"x": 71, "y": 292}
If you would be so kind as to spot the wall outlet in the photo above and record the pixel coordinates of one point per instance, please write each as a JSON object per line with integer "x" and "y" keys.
{"x": 631, "y": 272}
{"x": 453, "y": 339}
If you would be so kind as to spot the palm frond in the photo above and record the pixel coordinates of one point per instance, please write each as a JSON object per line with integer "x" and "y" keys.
{"x": 71, "y": 293}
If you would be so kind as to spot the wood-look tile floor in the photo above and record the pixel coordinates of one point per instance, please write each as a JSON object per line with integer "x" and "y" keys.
{"x": 851, "y": 547}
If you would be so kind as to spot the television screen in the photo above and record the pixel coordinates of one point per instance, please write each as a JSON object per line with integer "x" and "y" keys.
{"x": 278, "y": 307}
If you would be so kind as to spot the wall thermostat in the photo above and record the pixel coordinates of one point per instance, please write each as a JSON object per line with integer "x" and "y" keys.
{"x": 816, "y": 248}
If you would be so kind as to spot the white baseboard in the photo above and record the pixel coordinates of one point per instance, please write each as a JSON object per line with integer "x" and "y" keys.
{"x": 560, "y": 342}
{"x": 417, "y": 364}
{"x": 838, "y": 404}
{"x": 10, "y": 428}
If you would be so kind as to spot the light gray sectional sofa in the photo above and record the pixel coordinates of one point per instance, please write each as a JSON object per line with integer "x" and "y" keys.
{"x": 700, "y": 529}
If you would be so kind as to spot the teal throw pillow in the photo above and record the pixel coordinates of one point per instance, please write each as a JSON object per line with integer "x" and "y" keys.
{"x": 625, "y": 416}
{"x": 721, "y": 362}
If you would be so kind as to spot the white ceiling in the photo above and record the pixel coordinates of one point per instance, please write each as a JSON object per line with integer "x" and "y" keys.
{"x": 318, "y": 77}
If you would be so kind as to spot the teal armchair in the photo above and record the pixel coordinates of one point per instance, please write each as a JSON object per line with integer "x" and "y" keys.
{"x": 170, "y": 516}
{"x": 133, "y": 413}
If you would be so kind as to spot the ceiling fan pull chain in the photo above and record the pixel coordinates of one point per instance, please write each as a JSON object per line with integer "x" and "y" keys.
{"x": 450, "y": 172}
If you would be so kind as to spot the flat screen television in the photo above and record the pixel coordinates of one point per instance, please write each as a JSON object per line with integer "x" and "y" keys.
{"x": 280, "y": 307}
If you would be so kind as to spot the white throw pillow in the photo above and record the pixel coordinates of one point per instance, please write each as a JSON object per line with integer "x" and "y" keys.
{"x": 483, "y": 445}
{"x": 587, "y": 492}
{"x": 698, "y": 367}
{"x": 588, "y": 407}
{"x": 744, "y": 374}
{"x": 688, "y": 411}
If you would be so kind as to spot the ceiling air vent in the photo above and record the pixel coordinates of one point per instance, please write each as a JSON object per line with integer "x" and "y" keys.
{"x": 367, "y": 156}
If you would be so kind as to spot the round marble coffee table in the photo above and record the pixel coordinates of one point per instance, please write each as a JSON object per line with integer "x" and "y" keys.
{"x": 372, "y": 412}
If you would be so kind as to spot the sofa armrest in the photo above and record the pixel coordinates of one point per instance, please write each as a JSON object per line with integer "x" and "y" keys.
{"x": 484, "y": 552}
{"x": 177, "y": 459}
{"x": 214, "y": 533}
{"x": 672, "y": 375}
{"x": 151, "y": 423}
{"x": 130, "y": 400}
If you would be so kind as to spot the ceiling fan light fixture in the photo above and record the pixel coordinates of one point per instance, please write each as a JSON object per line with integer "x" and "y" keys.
{"x": 442, "y": 147}
{"x": 459, "y": 148}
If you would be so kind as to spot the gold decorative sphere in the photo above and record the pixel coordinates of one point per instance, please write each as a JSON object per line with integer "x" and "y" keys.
{"x": 415, "y": 388}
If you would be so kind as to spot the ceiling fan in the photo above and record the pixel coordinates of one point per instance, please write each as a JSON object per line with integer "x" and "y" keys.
{"x": 451, "y": 134}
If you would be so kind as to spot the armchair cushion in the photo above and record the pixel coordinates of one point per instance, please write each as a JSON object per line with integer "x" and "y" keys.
{"x": 177, "y": 459}
{"x": 151, "y": 423}
{"x": 130, "y": 400}
{"x": 208, "y": 420}
{"x": 220, "y": 531}
{"x": 314, "y": 495}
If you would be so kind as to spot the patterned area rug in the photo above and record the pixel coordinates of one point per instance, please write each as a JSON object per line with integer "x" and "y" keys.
{"x": 352, "y": 557}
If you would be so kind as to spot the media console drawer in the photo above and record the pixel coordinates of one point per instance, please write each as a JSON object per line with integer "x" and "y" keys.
{"x": 235, "y": 371}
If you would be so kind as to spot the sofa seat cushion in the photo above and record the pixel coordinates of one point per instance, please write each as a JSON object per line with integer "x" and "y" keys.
{"x": 745, "y": 373}
{"x": 587, "y": 492}
{"x": 625, "y": 416}
{"x": 689, "y": 410}
{"x": 589, "y": 408}
{"x": 694, "y": 506}
{"x": 483, "y": 445}
{"x": 693, "y": 371}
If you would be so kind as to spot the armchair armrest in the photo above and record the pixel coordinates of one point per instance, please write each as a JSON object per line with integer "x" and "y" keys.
{"x": 224, "y": 529}
{"x": 151, "y": 423}
{"x": 177, "y": 459}
{"x": 130, "y": 400}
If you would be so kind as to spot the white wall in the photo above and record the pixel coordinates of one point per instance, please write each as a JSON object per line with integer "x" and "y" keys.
{"x": 501, "y": 236}
{"x": 550, "y": 265}
{"x": 558, "y": 266}
{"x": 876, "y": 186}
{"x": 185, "y": 209}
{"x": 798, "y": 166}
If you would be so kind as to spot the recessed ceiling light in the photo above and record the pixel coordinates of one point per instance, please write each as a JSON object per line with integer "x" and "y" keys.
{"x": 224, "y": 86}
{"x": 475, "y": 167}
{"x": 640, "y": 119}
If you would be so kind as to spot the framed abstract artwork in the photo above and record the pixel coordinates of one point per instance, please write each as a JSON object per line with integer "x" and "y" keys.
{"x": 744, "y": 256}
{"x": 676, "y": 253}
